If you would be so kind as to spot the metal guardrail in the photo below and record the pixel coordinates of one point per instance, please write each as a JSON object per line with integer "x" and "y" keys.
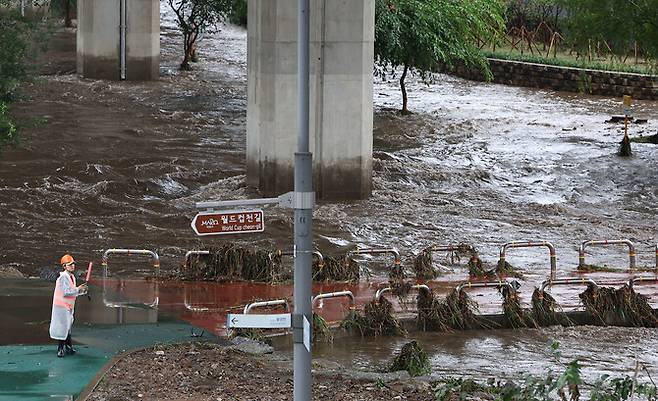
{"x": 631, "y": 250}
{"x": 189, "y": 254}
{"x": 512, "y": 286}
{"x": 191, "y": 307}
{"x": 337, "y": 294}
{"x": 381, "y": 291}
{"x": 567, "y": 281}
{"x": 263, "y": 304}
{"x": 639, "y": 280}
{"x": 378, "y": 251}
{"x": 279, "y": 252}
{"x": 529, "y": 244}
{"x": 451, "y": 248}
{"x": 104, "y": 263}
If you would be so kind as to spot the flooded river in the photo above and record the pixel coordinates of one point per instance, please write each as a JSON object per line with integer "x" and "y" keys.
{"x": 120, "y": 165}
{"x": 510, "y": 354}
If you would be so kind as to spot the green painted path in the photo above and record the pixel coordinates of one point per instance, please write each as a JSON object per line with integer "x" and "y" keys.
{"x": 30, "y": 371}
{"x": 34, "y": 373}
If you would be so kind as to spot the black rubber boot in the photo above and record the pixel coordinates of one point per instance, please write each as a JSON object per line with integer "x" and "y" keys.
{"x": 69, "y": 347}
{"x": 60, "y": 349}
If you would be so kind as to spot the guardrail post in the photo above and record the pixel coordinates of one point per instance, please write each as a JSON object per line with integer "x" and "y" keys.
{"x": 529, "y": 244}
{"x": 631, "y": 250}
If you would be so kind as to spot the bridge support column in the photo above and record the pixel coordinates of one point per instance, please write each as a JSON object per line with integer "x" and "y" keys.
{"x": 99, "y": 44}
{"x": 341, "y": 66}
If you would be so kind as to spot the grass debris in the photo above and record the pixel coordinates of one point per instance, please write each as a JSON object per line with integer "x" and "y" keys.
{"x": 423, "y": 268}
{"x": 646, "y": 139}
{"x": 478, "y": 269}
{"x": 252, "y": 334}
{"x": 621, "y": 307}
{"x": 233, "y": 263}
{"x": 377, "y": 319}
{"x": 596, "y": 268}
{"x": 625, "y": 147}
{"x": 516, "y": 316}
{"x": 458, "y": 311}
{"x": 413, "y": 359}
{"x": 546, "y": 311}
{"x": 321, "y": 330}
{"x": 333, "y": 269}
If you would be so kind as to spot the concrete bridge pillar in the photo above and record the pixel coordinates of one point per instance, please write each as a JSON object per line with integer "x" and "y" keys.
{"x": 100, "y": 43}
{"x": 341, "y": 66}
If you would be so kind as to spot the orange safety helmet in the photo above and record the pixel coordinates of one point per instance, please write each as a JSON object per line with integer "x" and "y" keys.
{"x": 66, "y": 259}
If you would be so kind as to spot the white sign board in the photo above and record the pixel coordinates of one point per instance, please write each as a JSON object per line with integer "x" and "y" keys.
{"x": 307, "y": 334}
{"x": 242, "y": 321}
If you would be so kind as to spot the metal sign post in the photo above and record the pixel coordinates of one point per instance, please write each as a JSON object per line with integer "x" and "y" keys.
{"x": 302, "y": 316}
{"x": 302, "y": 200}
{"x": 627, "y": 101}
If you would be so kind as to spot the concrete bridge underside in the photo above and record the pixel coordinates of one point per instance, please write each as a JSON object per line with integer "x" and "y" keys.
{"x": 341, "y": 59}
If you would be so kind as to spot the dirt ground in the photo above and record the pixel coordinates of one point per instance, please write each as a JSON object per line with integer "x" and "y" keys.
{"x": 210, "y": 372}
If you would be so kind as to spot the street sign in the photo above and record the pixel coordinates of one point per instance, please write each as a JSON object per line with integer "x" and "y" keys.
{"x": 242, "y": 321}
{"x": 228, "y": 222}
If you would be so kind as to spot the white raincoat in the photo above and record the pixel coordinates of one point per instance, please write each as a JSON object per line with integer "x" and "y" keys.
{"x": 61, "y": 319}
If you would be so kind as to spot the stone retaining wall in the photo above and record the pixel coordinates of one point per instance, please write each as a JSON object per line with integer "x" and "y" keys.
{"x": 569, "y": 79}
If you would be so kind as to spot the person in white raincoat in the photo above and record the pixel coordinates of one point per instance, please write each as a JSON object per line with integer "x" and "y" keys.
{"x": 64, "y": 297}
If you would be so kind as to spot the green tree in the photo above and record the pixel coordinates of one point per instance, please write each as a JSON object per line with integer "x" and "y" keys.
{"x": 14, "y": 33}
{"x": 65, "y": 9}
{"x": 238, "y": 14}
{"x": 195, "y": 17}
{"x": 20, "y": 39}
{"x": 419, "y": 35}
{"x": 620, "y": 23}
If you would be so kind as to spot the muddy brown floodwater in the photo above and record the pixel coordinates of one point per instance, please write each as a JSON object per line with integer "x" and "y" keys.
{"x": 120, "y": 164}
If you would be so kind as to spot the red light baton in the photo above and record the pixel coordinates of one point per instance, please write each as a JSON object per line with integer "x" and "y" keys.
{"x": 91, "y": 264}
